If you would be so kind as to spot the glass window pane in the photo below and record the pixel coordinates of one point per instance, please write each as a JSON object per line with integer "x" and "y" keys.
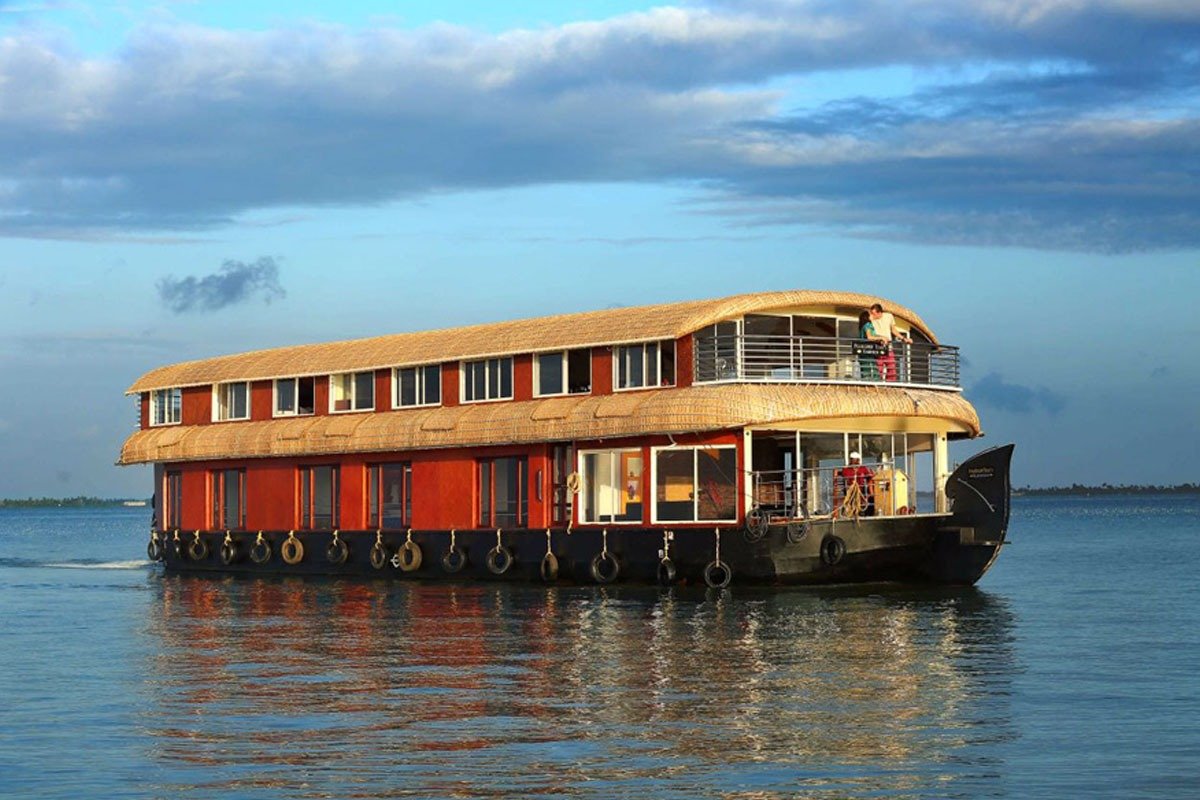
{"x": 433, "y": 384}
{"x": 506, "y": 492}
{"x": 485, "y": 494}
{"x": 393, "y": 496}
{"x": 716, "y": 473}
{"x": 550, "y": 373}
{"x": 240, "y": 410}
{"x": 364, "y": 390}
{"x": 478, "y": 381}
{"x": 506, "y": 378}
{"x": 340, "y": 387}
{"x": 673, "y": 485}
{"x": 231, "y": 516}
{"x": 285, "y": 396}
{"x": 373, "y": 496}
{"x": 408, "y": 387}
{"x": 306, "y": 498}
{"x": 651, "y": 365}
{"x": 323, "y": 500}
{"x": 408, "y": 493}
{"x": 668, "y": 364}
{"x": 493, "y": 378}
{"x": 637, "y": 368}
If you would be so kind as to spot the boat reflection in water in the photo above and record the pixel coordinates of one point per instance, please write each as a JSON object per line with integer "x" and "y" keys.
{"x": 325, "y": 688}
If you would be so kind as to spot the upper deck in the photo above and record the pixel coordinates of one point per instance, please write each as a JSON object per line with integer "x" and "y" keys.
{"x": 535, "y": 373}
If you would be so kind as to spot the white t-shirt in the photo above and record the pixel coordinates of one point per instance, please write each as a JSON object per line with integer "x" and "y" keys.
{"x": 885, "y": 326}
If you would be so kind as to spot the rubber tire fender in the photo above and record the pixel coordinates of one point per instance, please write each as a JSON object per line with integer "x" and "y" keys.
{"x": 409, "y": 556}
{"x": 499, "y": 560}
{"x": 833, "y": 549}
{"x": 337, "y": 552}
{"x": 597, "y": 568}
{"x": 198, "y": 550}
{"x": 260, "y": 553}
{"x": 796, "y": 531}
{"x": 379, "y": 556}
{"x": 155, "y": 550}
{"x": 229, "y": 552}
{"x": 717, "y": 574}
{"x": 454, "y": 560}
{"x": 292, "y": 550}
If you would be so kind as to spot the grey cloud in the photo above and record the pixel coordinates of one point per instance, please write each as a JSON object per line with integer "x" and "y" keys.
{"x": 235, "y": 282}
{"x": 994, "y": 391}
{"x": 1083, "y": 137}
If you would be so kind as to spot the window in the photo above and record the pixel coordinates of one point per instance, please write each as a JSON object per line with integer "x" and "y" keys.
{"x": 172, "y": 504}
{"x": 227, "y": 488}
{"x": 562, "y": 372}
{"x": 902, "y": 466}
{"x": 231, "y": 401}
{"x": 561, "y": 499}
{"x": 318, "y": 498}
{"x": 645, "y": 365}
{"x": 488, "y": 379}
{"x": 352, "y": 391}
{"x": 166, "y": 406}
{"x": 612, "y": 486}
{"x": 389, "y": 496}
{"x": 695, "y": 484}
{"x": 503, "y": 499}
{"x": 295, "y": 397}
{"x": 418, "y": 386}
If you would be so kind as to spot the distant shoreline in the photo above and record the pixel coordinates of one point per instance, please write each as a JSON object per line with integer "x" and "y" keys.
{"x": 73, "y": 502}
{"x": 1105, "y": 489}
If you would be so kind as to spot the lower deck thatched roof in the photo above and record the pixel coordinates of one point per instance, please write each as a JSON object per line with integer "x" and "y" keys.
{"x": 557, "y": 419}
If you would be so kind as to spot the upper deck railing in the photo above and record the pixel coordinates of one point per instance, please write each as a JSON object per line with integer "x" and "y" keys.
{"x": 821, "y": 359}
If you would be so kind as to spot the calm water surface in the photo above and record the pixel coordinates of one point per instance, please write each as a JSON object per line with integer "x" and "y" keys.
{"x": 1071, "y": 671}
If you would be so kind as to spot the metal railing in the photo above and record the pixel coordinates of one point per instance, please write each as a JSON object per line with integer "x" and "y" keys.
{"x": 817, "y": 359}
{"x": 823, "y": 492}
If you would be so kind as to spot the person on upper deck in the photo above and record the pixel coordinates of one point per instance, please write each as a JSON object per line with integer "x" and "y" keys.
{"x": 867, "y": 370}
{"x": 884, "y": 325}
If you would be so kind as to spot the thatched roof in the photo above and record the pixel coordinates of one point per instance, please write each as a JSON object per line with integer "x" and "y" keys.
{"x": 564, "y": 331}
{"x": 557, "y": 419}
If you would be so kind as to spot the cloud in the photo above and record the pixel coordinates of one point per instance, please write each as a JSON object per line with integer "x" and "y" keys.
{"x": 235, "y": 282}
{"x": 993, "y": 391}
{"x": 1065, "y": 125}
{"x": 1160, "y": 372}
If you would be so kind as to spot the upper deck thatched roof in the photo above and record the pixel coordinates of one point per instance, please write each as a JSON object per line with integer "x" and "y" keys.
{"x": 554, "y": 419}
{"x": 559, "y": 332}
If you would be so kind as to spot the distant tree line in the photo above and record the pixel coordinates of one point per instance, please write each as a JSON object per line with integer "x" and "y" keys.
{"x": 54, "y": 502}
{"x": 1107, "y": 488}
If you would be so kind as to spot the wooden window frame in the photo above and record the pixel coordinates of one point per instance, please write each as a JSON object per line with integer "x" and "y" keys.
{"x": 354, "y": 407}
{"x": 219, "y": 490}
{"x": 173, "y": 404}
{"x": 421, "y": 372}
{"x": 374, "y": 493}
{"x": 306, "y": 497}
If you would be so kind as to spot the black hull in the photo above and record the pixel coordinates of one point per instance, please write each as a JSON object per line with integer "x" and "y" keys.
{"x": 945, "y": 549}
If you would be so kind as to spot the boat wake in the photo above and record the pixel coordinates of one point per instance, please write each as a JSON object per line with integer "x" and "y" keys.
{"x": 135, "y": 564}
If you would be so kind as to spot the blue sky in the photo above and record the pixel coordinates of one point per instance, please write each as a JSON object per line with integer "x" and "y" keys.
{"x": 1024, "y": 173}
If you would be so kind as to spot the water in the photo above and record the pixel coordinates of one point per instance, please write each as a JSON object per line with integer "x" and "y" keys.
{"x": 1070, "y": 672}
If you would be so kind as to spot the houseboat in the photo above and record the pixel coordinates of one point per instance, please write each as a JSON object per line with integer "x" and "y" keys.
{"x": 751, "y": 439}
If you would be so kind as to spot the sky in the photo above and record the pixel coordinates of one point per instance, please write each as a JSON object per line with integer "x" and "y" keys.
{"x": 185, "y": 179}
